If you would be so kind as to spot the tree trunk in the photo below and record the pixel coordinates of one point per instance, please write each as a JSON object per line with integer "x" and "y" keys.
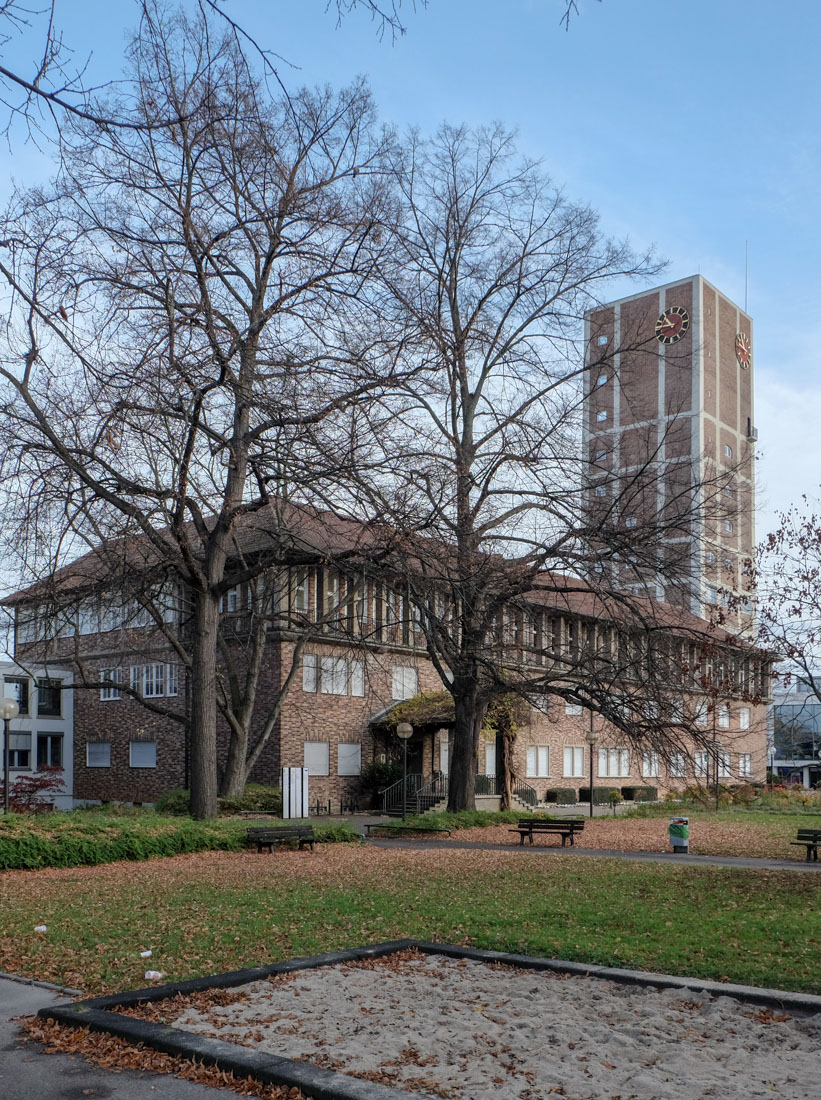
{"x": 505, "y": 740}
{"x": 468, "y": 721}
{"x": 204, "y": 707}
{"x": 235, "y": 773}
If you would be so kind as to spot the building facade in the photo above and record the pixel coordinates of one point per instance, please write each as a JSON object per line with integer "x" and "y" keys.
{"x": 42, "y": 735}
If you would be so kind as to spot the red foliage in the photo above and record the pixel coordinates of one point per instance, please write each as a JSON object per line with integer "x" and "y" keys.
{"x": 35, "y": 792}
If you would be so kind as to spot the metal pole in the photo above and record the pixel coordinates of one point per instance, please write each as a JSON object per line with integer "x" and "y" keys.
{"x": 590, "y": 753}
{"x": 404, "y": 777}
{"x": 6, "y": 769}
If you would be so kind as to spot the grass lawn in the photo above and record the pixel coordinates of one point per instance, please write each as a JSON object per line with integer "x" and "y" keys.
{"x": 217, "y": 911}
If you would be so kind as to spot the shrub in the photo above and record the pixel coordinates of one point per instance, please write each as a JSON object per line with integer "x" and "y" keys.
{"x": 255, "y": 797}
{"x": 174, "y": 803}
{"x": 601, "y": 795}
{"x": 376, "y": 776}
{"x": 640, "y": 794}
{"x": 30, "y": 794}
{"x": 566, "y": 796}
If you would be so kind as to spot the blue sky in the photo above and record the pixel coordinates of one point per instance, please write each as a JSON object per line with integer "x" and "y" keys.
{"x": 691, "y": 126}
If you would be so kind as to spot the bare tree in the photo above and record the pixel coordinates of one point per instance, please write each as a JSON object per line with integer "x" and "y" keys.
{"x": 56, "y": 86}
{"x": 787, "y": 578}
{"x": 191, "y": 317}
{"x": 496, "y": 271}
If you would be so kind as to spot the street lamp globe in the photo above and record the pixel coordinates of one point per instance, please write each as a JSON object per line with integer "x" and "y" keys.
{"x": 9, "y": 709}
{"x": 404, "y": 730}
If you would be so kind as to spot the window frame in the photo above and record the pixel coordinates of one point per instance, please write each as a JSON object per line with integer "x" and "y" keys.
{"x": 131, "y": 755}
{"x": 327, "y": 755}
{"x": 44, "y": 688}
{"x": 100, "y": 745}
{"x": 540, "y": 754}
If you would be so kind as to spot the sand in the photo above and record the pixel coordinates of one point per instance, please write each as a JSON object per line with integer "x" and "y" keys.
{"x": 472, "y": 1031}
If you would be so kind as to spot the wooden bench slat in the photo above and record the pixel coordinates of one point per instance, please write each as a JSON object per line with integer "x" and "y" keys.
{"x": 266, "y": 836}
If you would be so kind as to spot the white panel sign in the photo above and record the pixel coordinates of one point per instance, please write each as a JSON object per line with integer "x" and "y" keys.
{"x": 294, "y": 792}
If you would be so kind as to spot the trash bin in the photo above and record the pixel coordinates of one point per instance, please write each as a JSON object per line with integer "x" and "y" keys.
{"x": 679, "y": 831}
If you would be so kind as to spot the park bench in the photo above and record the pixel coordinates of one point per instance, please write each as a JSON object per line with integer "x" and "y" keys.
{"x": 266, "y": 836}
{"x": 565, "y": 829}
{"x": 810, "y": 839}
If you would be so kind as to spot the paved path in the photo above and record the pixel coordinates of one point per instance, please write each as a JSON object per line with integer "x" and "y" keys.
{"x": 603, "y": 853}
{"x": 26, "y": 1072}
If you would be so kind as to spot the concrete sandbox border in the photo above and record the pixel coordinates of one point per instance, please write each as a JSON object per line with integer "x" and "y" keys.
{"x": 99, "y": 1013}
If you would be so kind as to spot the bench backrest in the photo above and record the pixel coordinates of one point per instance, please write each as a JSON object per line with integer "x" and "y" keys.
{"x": 570, "y": 824}
{"x": 281, "y": 830}
{"x": 809, "y": 834}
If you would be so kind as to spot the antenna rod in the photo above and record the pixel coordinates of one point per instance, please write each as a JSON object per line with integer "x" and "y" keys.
{"x": 745, "y": 276}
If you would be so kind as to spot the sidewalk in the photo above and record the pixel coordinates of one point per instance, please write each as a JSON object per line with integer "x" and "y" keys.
{"x": 25, "y": 1071}
{"x": 740, "y": 862}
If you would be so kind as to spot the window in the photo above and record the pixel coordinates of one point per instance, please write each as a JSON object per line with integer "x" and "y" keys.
{"x": 142, "y": 754}
{"x": 728, "y": 563}
{"x": 650, "y": 765}
{"x": 334, "y": 677}
{"x": 728, "y": 451}
{"x": 601, "y": 416}
{"x": 19, "y": 750}
{"x": 614, "y": 762}
{"x": 49, "y": 698}
{"x": 728, "y": 526}
{"x": 349, "y": 759}
{"x": 154, "y": 681}
{"x": 723, "y": 764}
{"x": 317, "y": 757}
{"x": 712, "y": 594}
{"x": 49, "y": 750}
{"x": 601, "y": 491}
{"x": 709, "y": 558}
{"x": 573, "y": 760}
{"x": 601, "y": 380}
{"x": 231, "y": 601}
{"x": 112, "y": 678}
{"x": 301, "y": 593}
{"x": 745, "y": 765}
{"x": 701, "y": 764}
{"x": 98, "y": 754}
{"x": 405, "y": 682}
{"x": 601, "y": 456}
{"x": 723, "y": 717}
{"x": 538, "y": 761}
{"x": 573, "y": 709}
{"x": 331, "y": 592}
{"x": 309, "y": 672}
{"x": 744, "y": 718}
{"x": 357, "y": 680}
{"x": 601, "y": 341}
{"x": 17, "y": 688}
{"x": 701, "y": 715}
{"x": 490, "y": 758}
{"x": 631, "y": 521}
{"x": 677, "y": 766}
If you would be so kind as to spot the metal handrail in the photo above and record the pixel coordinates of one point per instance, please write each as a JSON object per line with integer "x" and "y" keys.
{"x": 394, "y": 795}
{"x": 431, "y": 793}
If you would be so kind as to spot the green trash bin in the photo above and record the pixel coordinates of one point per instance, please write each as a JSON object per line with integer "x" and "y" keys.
{"x": 679, "y": 831}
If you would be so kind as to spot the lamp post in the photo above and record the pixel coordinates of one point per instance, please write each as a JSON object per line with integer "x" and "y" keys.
{"x": 8, "y": 710}
{"x": 591, "y": 737}
{"x": 404, "y": 731}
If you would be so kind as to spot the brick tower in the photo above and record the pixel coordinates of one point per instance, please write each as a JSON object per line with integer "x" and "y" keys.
{"x": 668, "y": 418}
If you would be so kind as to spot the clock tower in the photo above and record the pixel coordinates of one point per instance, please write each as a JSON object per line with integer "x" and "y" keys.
{"x": 669, "y": 435}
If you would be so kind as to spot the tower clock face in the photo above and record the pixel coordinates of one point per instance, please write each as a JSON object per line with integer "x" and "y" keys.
{"x": 743, "y": 350}
{"x": 672, "y": 325}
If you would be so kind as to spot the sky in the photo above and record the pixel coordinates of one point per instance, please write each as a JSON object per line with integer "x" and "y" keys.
{"x": 692, "y": 127}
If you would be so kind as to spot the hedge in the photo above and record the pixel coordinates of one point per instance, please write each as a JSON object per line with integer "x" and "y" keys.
{"x": 601, "y": 795}
{"x": 640, "y": 794}
{"x": 566, "y": 796}
{"x": 79, "y": 838}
